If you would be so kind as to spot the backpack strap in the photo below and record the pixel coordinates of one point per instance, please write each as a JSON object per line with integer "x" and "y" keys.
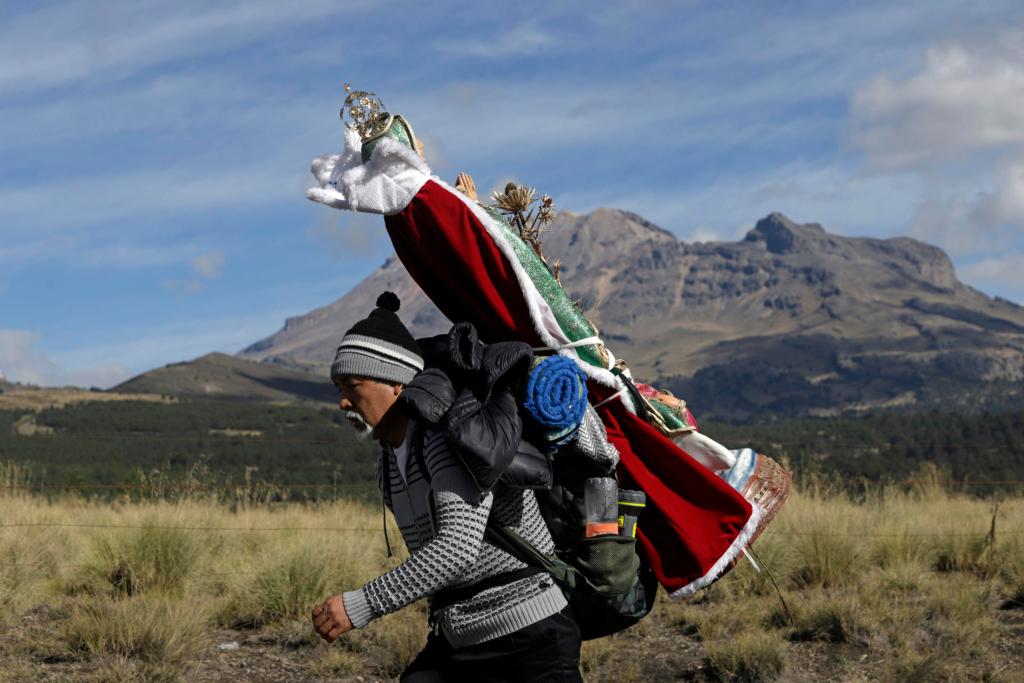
{"x": 518, "y": 547}
{"x": 385, "y": 481}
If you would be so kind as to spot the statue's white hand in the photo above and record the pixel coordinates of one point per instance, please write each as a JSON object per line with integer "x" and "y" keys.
{"x": 323, "y": 168}
{"x": 329, "y": 197}
{"x": 327, "y": 170}
{"x": 384, "y": 185}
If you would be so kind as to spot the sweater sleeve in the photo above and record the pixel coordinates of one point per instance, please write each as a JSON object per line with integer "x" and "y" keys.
{"x": 460, "y": 521}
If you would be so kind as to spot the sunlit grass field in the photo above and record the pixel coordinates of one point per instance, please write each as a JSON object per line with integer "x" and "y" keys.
{"x": 897, "y": 584}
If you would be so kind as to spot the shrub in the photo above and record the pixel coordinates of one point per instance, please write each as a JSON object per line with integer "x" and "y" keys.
{"x": 287, "y": 589}
{"x": 25, "y": 565}
{"x": 960, "y": 553}
{"x": 825, "y": 558}
{"x": 153, "y": 558}
{"x": 145, "y": 628}
{"x": 747, "y": 657}
{"x": 830, "y": 619}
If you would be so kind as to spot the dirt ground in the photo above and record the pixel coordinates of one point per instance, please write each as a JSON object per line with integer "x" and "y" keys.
{"x": 659, "y": 649}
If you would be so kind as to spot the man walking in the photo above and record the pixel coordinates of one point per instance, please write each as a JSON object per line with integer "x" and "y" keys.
{"x": 495, "y": 619}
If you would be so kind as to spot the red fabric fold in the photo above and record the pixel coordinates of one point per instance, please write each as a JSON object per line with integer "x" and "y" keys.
{"x": 692, "y": 516}
{"x": 459, "y": 267}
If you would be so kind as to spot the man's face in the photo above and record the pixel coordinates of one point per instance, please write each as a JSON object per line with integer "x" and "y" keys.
{"x": 365, "y": 401}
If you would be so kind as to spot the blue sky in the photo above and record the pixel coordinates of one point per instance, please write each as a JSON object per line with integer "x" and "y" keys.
{"x": 154, "y": 154}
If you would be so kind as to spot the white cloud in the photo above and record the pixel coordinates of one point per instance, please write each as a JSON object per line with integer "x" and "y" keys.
{"x": 21, "y": 360}
{"x": 208, "y": 265}
{"x": 1002, "y": 274}
{"x": 963, "y": 100}
{"x": 144, "y": 349}
{"x": 955, "y": 124}
{"x": 130, "y": 255}
{"x": 83, "y": 202}
{"x": 204, "y": 267}
{"x": 703, "y": 233}
{"x": 190, "y": 285}
{"x": 1005, "y": 205}
{"x": 346, "y": 234}
{"x": 524, "y": 39}
{"x": 838, "y": 197}
{"x": 75, "y": 41}
{"x": 945, "y": 220}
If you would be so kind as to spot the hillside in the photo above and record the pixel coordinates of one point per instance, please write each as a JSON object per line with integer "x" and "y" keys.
{"x": 790, "y": 320}
{"x": 223, "y": 377}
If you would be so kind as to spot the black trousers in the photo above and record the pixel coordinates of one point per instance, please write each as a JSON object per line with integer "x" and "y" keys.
{"x": 545, "y": 652}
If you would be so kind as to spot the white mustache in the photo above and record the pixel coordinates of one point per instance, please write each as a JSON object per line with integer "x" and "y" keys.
{"x": 362, "y": 429}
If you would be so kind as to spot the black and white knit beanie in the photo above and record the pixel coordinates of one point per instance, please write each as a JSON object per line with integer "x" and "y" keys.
{"x": 379, "y": 347}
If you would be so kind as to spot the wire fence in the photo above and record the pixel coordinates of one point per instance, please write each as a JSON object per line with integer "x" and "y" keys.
{"x": 377, "y": 530}
{"x": 252, "y": 438}
{"x": 362, "y": 486}
{"x": 233, "y": 439}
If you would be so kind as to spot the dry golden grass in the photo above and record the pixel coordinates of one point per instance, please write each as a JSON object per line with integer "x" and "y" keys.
{"x": 42, "y": 399}
{"x": 898, "y": 586}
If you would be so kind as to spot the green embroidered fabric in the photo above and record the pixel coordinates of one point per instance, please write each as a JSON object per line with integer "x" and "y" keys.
{"x": 399, "y": 130}
{"x": 569, "y": 317}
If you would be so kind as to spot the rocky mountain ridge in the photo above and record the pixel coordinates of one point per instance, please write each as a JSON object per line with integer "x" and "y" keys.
{"x": 792, "y": 319}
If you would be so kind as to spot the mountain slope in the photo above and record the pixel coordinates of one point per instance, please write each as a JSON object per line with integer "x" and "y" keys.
{"x": 219, "y": 376}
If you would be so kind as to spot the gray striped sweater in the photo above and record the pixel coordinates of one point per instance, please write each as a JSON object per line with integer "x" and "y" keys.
{"x": 443, "y": 522}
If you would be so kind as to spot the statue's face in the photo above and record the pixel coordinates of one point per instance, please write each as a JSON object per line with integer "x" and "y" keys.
{"x": 365, "y": 401}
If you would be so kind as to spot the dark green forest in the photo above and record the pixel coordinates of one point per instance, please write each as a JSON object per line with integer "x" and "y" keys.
{"x": 108, "y": 443}
{"x": 981, "y": 452}
{"x": 314, "y": 448}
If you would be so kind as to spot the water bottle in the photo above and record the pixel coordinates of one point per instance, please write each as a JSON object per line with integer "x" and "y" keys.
{"x": 631, "y": 503}
{"x": 600, "y": 499}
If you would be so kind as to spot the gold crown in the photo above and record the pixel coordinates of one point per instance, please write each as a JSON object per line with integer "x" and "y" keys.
{"x": 364, "y": 112}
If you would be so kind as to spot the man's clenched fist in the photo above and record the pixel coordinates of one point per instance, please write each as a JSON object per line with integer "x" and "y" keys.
{"x": 330, "y": 619}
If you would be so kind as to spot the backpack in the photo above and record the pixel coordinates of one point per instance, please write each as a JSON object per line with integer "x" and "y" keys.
{"x": 608, "y": 585}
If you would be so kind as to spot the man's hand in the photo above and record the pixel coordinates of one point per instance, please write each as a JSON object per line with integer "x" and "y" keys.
{"x": 330, "y": 619}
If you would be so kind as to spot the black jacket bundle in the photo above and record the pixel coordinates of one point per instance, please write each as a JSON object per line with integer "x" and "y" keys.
{"x": 471, "y": 391}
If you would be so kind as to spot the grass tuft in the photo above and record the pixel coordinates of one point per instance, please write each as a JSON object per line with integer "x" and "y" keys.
{"x": 153, "y": 558}
{"x": 831, "y": 620}
{"x": 286, "y": 589}
{"x": 748, "y": 657}
{"x": 338, "y": 662}
{"x": 124, "y": 670}
{"x": 147, "y": 629}
{"x": 825, "y": 559}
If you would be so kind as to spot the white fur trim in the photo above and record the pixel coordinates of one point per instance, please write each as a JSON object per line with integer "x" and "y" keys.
{"x": 738, "y": 545}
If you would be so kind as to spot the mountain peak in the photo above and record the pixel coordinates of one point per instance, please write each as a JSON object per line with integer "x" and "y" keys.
{"x": 783, "y": 236}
